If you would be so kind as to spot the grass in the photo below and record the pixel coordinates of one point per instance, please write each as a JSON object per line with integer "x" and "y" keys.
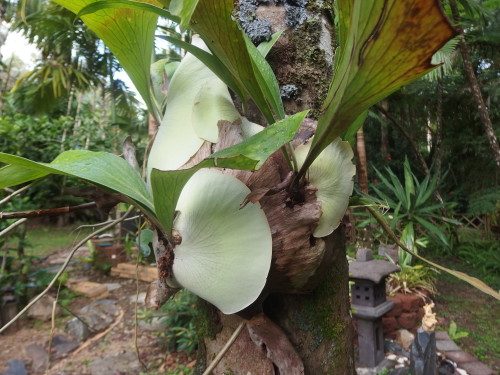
{"x": 46, "y": 239}
{"x": 473, "y": 312}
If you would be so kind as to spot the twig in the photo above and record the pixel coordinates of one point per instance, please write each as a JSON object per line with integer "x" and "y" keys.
{"x": 226, "y": 347}
{"x": 63, "y": 268}
{"x": 460, "y": 275}
{"x": 13, "y": 194}
{"x": 105, "y": 222}
{"x": 46, "y": 212}
{"x": 102, "y": 334}
{"x": 136, "y": 347}
{"x": 12, "y": 226}
{"x": 52, "y": 326}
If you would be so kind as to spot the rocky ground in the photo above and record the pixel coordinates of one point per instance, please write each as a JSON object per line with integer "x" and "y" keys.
{"x": 109, "y": 347}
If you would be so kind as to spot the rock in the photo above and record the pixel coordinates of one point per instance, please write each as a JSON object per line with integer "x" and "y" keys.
{"x": 389, "y": 324}
{"x": 116, "y": 363}
{"x": 155, "y": 325}
{"x": 394, "y": 347}
{"x": 446, "y": 368}
{"x": 99, "y": 314}
{"x": 410, "y": 302}
{"x": 447, "y": 346}
{"x": 62, "y": 344}
{"x": 460, "y": 357}
{"x": 42, "y": 310}
{"x": 15, "y": 367}
{"x": 112, "y": 286}
{"x": 400, "y": 371}
{"x": 408, "y": 320}
{"x": 405, "y": 338}
{"x": 141, "y": 299}
{"x": 423, "y": 353}
{"x": 39, "y": 358}
{"x": 442, "y": 335}
{"x": 477, "y": 368}
{"x": 77, "y": 330}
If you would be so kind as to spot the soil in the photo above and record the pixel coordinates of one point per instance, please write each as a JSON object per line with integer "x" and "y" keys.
{"x": 119, "y": 339}
{"x": 473, "y": 312}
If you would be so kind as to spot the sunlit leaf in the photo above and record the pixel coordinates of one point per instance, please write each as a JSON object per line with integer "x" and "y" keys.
{"x": 384, "y": 44}
{"x": 101, "y": 168}
{"x": 128, "y": 33}
{"x": 184, "y": 10}
{"x": 265, "y": 47}
{"x": 213, "y": 20}
{"x": 225, "y": 253}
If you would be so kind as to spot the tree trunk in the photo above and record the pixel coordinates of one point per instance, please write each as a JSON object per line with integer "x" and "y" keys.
{"x": 305, "y": 330}
{"x": 476, "y": 90}
{"x": 362, "y": 163}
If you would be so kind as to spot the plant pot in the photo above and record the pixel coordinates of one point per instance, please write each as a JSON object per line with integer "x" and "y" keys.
{"x": 107, "y": 254}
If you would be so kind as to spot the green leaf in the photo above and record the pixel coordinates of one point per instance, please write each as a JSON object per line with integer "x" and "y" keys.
{"x": 184, "y": 9}
{"x": 213, "y": 20}
{"x": 460, "y": 275}
{"x": 104, "y": 169}
{"x": 225, "y": 253}
{"x": 384, "y": 44}
{"x": 127, "y": 32}
{"x": 249, "y": 154}
{"x": 12, "y": 175}
{"x": 265, "y": 47}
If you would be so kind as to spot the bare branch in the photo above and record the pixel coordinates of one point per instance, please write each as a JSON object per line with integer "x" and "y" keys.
{"x": 46, "y": 212}
{"x": 12, "y": 226}
{"x": 63, "y": 268}
{"x": 17, "y": 192}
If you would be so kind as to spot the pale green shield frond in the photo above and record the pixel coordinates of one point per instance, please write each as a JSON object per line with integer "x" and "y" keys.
{"x": 331, "y": 173}
{"x": 212, "y": 104}
{"x": 128, "y": 33}
{"x": 182, "y": 130}
{"x": 225, "y": 254}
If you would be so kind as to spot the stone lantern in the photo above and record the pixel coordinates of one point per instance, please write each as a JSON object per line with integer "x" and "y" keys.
{"x": 369, "y": 304}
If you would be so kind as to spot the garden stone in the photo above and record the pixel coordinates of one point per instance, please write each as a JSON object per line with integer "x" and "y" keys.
{"x": 460, "y": 357}
{"x": 446, "y": 346}
{"x": 394, "y": 347}
{"x": 442, "y": 335}
{"x": 423, "y": 353}
{"x": 76, "y": 329}
{"x": 477, "y": 368}
{"x": 405, "y": 338}
{"x": 112, "y": 286}
{"x": 446, "y": 368}
{"x": 154, "y": 325}
{"x": 62, "y": 344}
{"x": 99, "y": 314}
{"x": 400, "y": 371}
{"x": 39, "y": 358}
{"x": 42, "y": 310}
{"x": 141, "y": 299}
{"x": 15, "y": 367}
{"x": 116, "y": 363}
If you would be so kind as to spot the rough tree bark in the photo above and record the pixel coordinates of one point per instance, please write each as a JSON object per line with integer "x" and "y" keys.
{"x": 301, "y": 324}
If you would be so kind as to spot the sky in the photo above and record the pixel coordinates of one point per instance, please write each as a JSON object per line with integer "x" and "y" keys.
{"x": 17, "y": 44}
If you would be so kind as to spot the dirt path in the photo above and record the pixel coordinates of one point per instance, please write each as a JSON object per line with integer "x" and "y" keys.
{"x": 119, "y": 340}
